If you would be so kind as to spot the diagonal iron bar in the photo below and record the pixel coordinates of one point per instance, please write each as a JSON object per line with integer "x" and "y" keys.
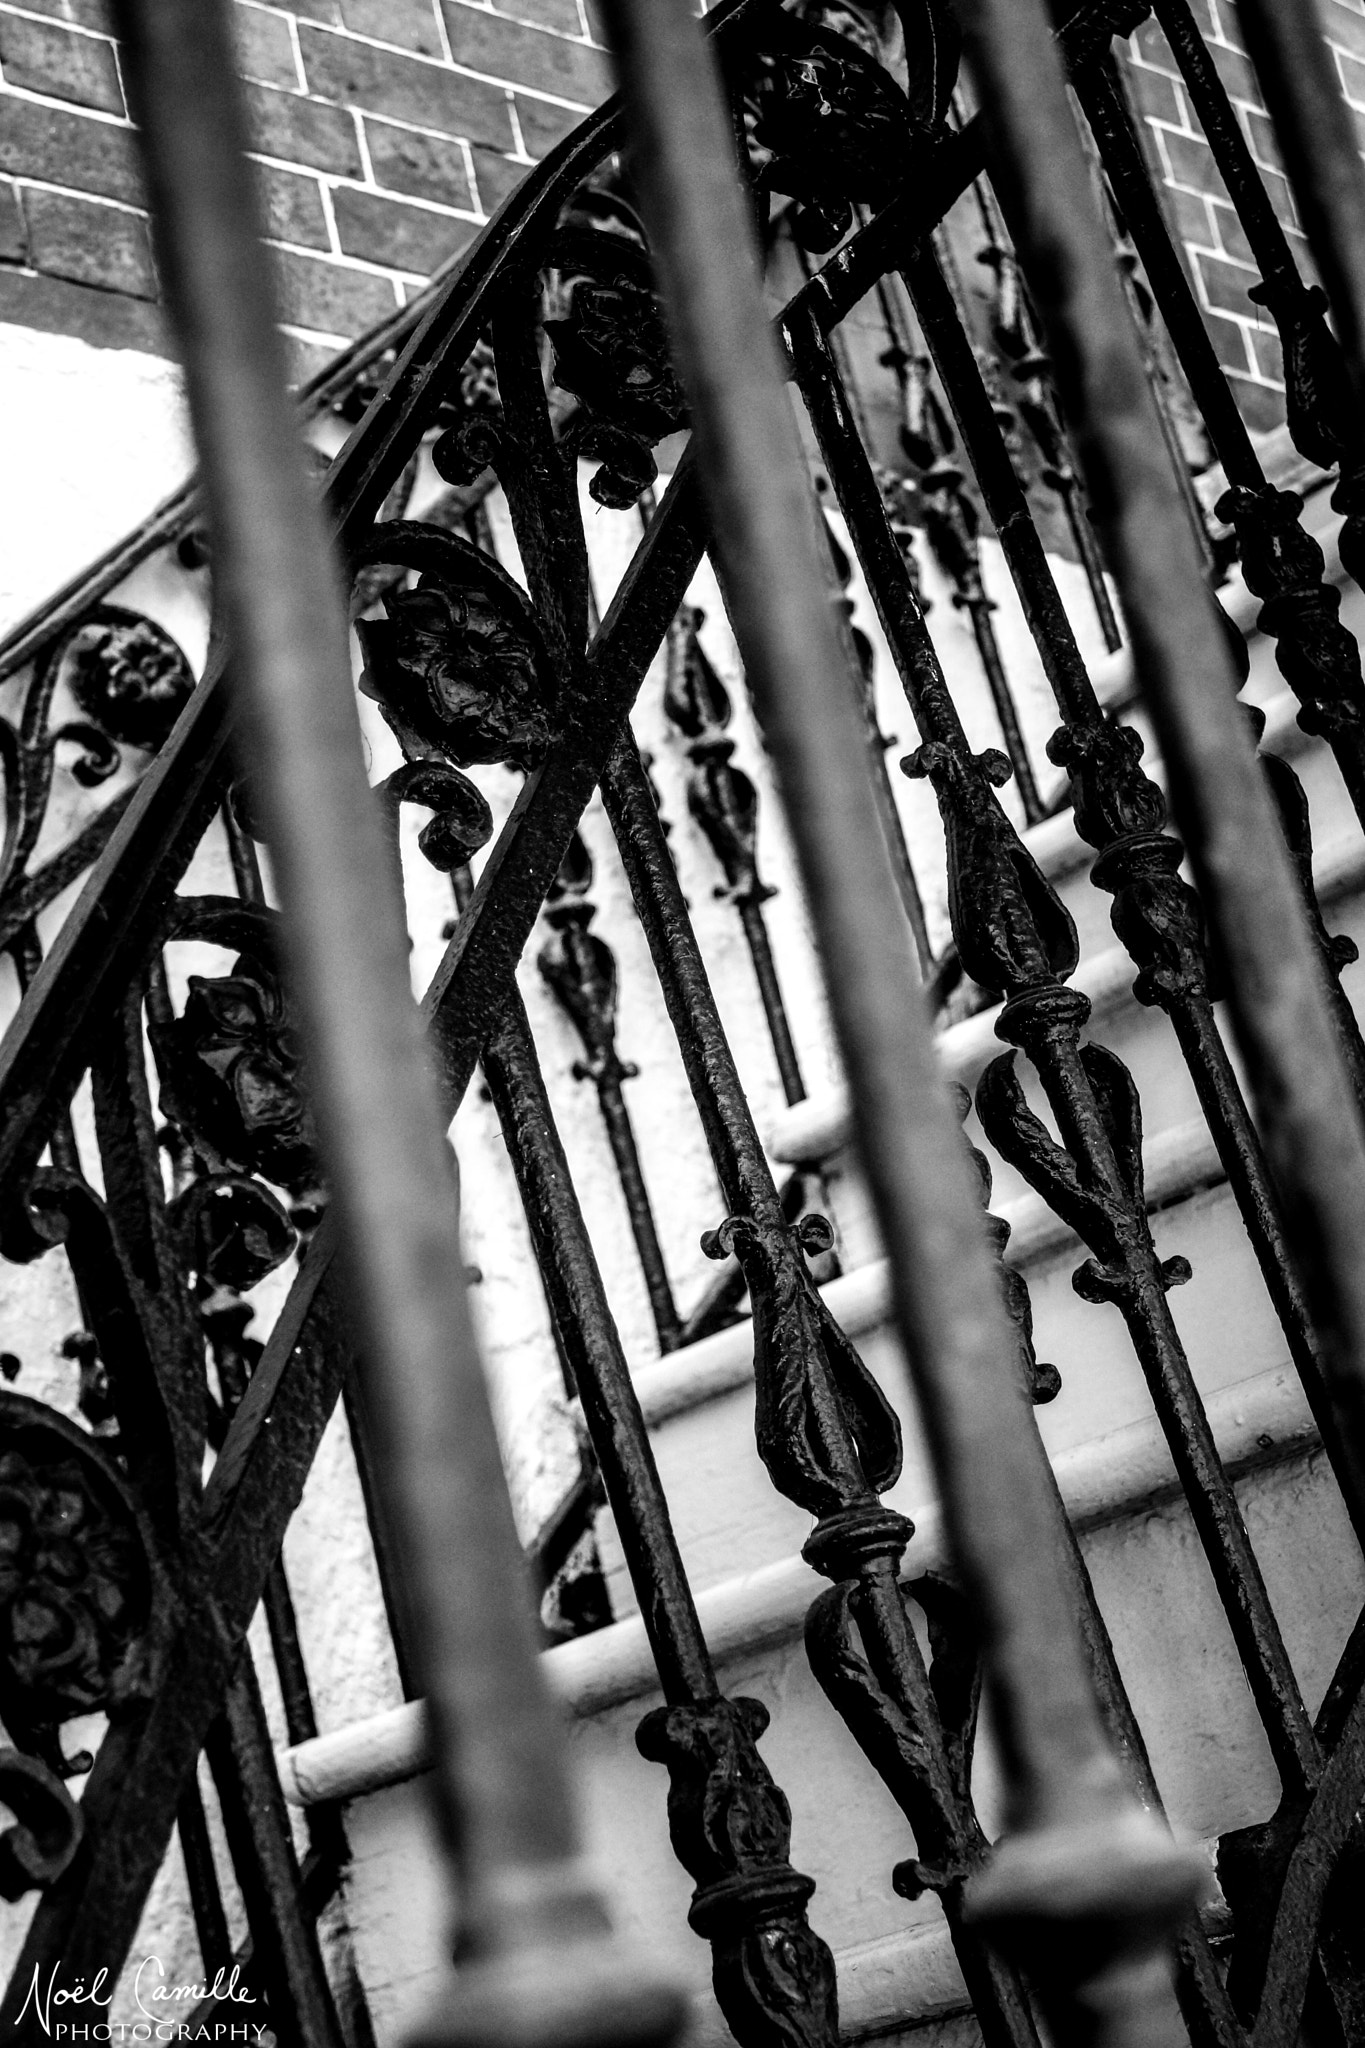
{"x": 538, "y": 1959}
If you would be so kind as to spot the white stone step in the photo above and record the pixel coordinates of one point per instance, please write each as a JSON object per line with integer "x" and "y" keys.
{"x": 897, "y": 1969}
{"x": 817, "y": 1130}
{"x": 700, "y": 1402}
{"x": 741, "y": 1541}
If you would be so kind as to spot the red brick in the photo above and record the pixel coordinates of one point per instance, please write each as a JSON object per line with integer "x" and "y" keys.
{"x": 13, "y": 241}
{"x": 1268, "y": 354}
{"x": 411, "y": 23}
{"x": 308, "y": 359}
{"x": 543, "y": 125}
{"x": 1153, "y": 48}
{"x": 265, "y": 48}
{"x": 326, "y": 11}
{"x": 1229, "y": 28}
{"x": 1158, "y": 97}
{"x": 41, "y": 56}
{"x": 1281, "y": 198}
{"x": 396, "y": 234}
{"x": 426, "y": 166}
{"x": 1232, "y": 237}
{"x": 557, "y": 14}
{"x": 1191, "y": 162}
{"x": 1346, "y": 27}
{"x": 1237, "y": 75}
{"x": 303, "y": 131}
{"x": 1261, "y": 406}
{"x": 526, "y": 56}
{"x": 1226, "y": 284}
{"x": 105, "y": 319}
{"x": 1193, "y": 218}
{"x": 89, "y": 242}
{"x": 356, "y": 74}
{"x": 63, "y": 148}
{"x": 496, "y": 177}
{"x": 293, "y": 207}
{"x": 1230, "y": 341}
{"x": 82, "y": 13}
{"x": 1261, "y": 136}
{"x": 327, "y": 297}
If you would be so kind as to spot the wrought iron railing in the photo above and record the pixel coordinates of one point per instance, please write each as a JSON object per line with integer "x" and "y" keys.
{"x": 158, "y": 1130}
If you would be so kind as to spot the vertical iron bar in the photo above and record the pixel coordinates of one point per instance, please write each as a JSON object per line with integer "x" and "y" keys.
{"x": 246, "y": 870}
{"x": 533, "y": 1933}
{"x": 1122, "y": 812}
{"x": 580, "y": 969}
{"x": 1016, "y": 335}
{"x": 821, "y": 1442}
{"x": 1014, "y": 934}
{"x": 730, "y": 1823}
{"x": 725, "y": 804}
{"x": 1321, "y": 414}
{"x": 1316, "y": 135}
{"x": 1068, "y": 1802}
{"x": 1204, "y": 2001}
{"x": 206, "y": 1899}
{"x": 1299, "y": 1084}
{"x": 286, "y": 1959}
{"x": 1282, "y": 563}
{"x": 951, "y": 529}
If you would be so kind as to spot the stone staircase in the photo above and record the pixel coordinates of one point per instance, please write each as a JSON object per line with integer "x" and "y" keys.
{"x": 741, "y": 1541}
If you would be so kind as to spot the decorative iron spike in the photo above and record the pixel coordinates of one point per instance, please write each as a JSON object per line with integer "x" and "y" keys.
{"x": 730, "y": 1826}
{"x": 825, "y": 1431}
{"x": 1121, "y": 812}
{"x": 730, "y": 1823}
{"x": 1318, "y": 658}
{"x": 1014, "y": 935}
{"x": 1335, "y": 951}
{"x": 953, "y": 529}
{"x": 1016, "y": 332}
{"x": 1203, "y": 2000}
{"x": 724, "y": 803}
{"x": 580, "y": 970}
{"x": 720, "y": 797}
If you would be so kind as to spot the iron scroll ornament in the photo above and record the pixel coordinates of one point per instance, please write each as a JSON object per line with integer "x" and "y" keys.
{"x": 872, "y": 85}
{"x": 459, "y": 666}
{"x": 77, "y": 1582}
{"x": 127, "y": 682}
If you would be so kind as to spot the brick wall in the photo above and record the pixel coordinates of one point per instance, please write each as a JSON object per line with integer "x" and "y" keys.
{"x": 1219, "y": 260}
{"x": 387, "y": 131}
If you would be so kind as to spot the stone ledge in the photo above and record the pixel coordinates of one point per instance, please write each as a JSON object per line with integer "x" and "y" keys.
{"x": 1263, "y": 1421}
{"x": 814, "y": 1130}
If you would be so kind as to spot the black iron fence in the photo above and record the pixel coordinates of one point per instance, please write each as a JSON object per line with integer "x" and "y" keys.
{"x": 195, "y": 1162}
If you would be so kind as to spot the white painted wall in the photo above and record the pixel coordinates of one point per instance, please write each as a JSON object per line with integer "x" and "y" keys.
{"x": 93, "y": 439}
